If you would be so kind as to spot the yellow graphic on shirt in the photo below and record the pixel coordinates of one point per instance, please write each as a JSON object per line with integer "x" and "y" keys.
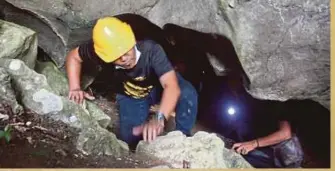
{"x": 139, "y": 78}
{"x": 136, "y": 91}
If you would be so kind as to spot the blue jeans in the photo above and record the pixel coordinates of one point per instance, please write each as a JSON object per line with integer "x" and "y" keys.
{"x": 134, "y": 112}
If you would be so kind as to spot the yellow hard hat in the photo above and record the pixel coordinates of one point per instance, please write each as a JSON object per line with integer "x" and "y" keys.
{"x": 112, "y": 38}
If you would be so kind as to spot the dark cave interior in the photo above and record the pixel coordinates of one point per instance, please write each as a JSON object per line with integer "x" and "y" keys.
{"x": 188, "y": 51}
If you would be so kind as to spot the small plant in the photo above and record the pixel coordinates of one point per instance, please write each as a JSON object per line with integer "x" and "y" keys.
{"x": 6, "y": 133}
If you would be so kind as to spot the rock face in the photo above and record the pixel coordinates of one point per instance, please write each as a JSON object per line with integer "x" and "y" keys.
{"x": 203, "y": 150}
{"x": 75, "y": 13}
{"x": 7, "y": 94}
{"x": 18, "y": 42}
{"x": 59, "y": 85}
{"x": 52, "y": 34}
{"x": 283, "y": 46}
{"x": 38, "y": 96}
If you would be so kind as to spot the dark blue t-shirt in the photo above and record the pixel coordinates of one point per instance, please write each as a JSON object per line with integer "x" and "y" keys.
{"x": 136, "y": 82}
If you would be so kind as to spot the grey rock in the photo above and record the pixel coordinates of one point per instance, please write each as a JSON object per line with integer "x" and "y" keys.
{"x": 283, "y": 46}
{"x": 52, "y": 34}
{"x": 54, "y": 77}
{"x": 100, "y": 8}
{"x": 59, "y": 84}
{"x": 287, "y": 54}
{"x": 18, "y": 42}
{"x": 3, "y": 117}
{"x": 81, "y": 13}
{"x": 199, "y": 15}
{"x": 203, "y": 150}
{"x": 99, "y": 141}
{"x": 161, "y": 167}
{"x": 36, "y": 95}
{"x": 7, "y": 94}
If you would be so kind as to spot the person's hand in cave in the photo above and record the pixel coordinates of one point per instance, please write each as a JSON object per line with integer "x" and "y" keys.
{"x": 245, "y": 147}
{"x": 78, "y": 96}
{"x": 150, "y": 130}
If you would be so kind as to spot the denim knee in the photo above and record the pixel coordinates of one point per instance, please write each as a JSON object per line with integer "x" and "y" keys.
{"x": 187, "y": 107}
{"x": 132, "y": 112}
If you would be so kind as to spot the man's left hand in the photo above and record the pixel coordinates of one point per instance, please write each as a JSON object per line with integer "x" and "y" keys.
{"x": 245, "y": 147}
{"x": 150, "y": 130}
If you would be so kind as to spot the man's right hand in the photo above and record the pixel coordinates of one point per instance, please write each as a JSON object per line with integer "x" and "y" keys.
{"x": 73, "y": 69}
{"x": 79, "y": 95}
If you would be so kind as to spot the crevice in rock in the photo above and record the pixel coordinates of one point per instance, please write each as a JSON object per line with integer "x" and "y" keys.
{"x": 151, "y": 7}
{"x": 42, "y": 56}
{"x": 189, "y": 51}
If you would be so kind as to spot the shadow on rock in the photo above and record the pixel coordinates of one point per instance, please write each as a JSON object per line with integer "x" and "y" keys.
{"x": 203, "y": 56}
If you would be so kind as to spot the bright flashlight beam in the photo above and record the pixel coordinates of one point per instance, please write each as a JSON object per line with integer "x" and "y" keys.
{"x": 231, "y": 111}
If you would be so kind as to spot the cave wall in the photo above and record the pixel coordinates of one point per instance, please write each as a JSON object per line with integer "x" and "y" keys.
{"x": 283, "y": 46}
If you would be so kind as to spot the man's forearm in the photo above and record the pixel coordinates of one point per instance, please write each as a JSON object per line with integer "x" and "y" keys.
{"x": 169, "y": 100}
{"x": 73, "y": 67}
{"x": 282, "y": 134}
{"x": 271, "y": 139}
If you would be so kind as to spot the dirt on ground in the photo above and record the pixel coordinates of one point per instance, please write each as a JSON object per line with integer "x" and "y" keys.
{"x": 39, "y": 142}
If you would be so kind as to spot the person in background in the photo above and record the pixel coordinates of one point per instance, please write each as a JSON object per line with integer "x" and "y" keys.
{"x": 270, "y": 142}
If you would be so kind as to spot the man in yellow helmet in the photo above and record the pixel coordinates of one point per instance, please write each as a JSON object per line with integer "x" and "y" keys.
{"x": 143, "y": 76}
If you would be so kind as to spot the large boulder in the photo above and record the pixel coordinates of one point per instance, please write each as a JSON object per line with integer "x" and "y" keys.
{"x": 37, "y": 95}
{"x": 81, "y": 13}
{"x": 7, "y": 94}
{"x": 52, "y": 33}
{"x": 18, "y": 42}
{"x": 59, "y": 84}
{"x": 202, "y": 150}
{"x": 283, "y": 46}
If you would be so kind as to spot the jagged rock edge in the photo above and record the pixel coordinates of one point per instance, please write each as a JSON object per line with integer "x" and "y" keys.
{"x": 43, "y": 19}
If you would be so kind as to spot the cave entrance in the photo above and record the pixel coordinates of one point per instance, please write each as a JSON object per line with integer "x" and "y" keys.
{"x": 198, "y": 57}
{"x": 210, "y": 63}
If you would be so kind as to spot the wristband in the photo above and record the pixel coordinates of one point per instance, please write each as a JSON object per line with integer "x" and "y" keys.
{"x": 160, "y": 116}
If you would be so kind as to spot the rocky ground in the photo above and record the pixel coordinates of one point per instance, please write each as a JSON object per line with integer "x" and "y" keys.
{"x": 38, "y": 142}
{"x": 41, "y": 142}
